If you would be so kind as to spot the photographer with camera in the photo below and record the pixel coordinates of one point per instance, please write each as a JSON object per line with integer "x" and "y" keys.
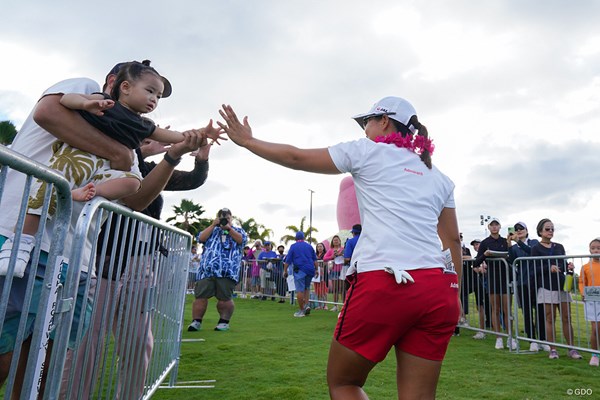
{"x": 219, "y": 269}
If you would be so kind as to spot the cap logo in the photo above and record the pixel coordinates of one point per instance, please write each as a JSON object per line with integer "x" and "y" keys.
{"x": 379, "y": 108}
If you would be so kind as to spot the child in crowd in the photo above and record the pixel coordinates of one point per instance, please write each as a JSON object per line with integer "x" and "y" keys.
{"x": 589, "y": 285}
{"x": 136, "y": 91}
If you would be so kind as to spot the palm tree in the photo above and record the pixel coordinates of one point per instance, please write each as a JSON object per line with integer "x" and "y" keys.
{"x": 187, "y": 217}
{"x": 307, "y": 233}
{"x": 253, "y": 229}
{"x": 8, "y": 131}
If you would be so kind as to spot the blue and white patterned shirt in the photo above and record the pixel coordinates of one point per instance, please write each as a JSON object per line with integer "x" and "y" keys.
{"x": 222, "y": 256}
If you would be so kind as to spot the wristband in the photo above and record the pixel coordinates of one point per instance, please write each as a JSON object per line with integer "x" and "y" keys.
{"x": 171, "y": 160}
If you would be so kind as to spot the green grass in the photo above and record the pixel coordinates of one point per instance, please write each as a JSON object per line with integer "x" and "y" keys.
{"x": 268, "y": 354}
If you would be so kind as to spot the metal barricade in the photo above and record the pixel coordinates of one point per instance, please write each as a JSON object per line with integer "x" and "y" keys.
{"x": 550, "y": 315}
{"x": 47, "y": 284}
{"x": 531, "y": 316}
{"x": 486, "y": 292}
{"x": 133, "y": 341}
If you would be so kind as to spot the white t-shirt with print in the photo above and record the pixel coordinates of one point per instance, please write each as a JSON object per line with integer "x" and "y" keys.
{"x": 36, "y": 143}
{"x": 399, "y": 200}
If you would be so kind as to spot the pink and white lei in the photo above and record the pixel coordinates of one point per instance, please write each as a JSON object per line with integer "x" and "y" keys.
{"x": 415, "y": 143}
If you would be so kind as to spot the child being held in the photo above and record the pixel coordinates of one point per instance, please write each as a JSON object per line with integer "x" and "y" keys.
{"x": 136, "y": 91}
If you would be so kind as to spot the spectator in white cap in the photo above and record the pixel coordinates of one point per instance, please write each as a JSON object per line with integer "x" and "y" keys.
{"x": 497, "y": 279}
{"x": 406, "y": 206}
{"x": 526, "y": 285}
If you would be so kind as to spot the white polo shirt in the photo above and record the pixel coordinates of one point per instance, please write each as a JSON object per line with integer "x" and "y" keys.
{"x": 399, "y": 201}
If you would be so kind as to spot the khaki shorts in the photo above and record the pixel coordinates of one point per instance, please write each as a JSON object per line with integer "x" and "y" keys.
{"x": 221, "y": 288}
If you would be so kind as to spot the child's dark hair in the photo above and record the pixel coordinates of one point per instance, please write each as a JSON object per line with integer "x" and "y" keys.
{"x": 131, "y": 71}
{"x": 421, "y": 131}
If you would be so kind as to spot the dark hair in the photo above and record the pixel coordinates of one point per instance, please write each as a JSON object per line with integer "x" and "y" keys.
{"x": 131, "y": 71}
{"x": 540, "y": 226}
{"x": 336, "y": 236}
{"x": 322, "y": 244}
{"x": 421, "y": 131}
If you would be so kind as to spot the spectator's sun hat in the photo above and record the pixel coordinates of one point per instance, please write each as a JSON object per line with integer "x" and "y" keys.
{"x": 520, "y": 224}
{"x": 494, "y": 219}
{"x": 475, "y": 241}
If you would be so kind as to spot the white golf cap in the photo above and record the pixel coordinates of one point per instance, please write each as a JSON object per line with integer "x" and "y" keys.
{"x": 395, "y": 107}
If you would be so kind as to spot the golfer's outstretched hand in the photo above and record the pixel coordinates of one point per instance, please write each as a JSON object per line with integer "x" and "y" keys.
{"x": 239, "y": 133}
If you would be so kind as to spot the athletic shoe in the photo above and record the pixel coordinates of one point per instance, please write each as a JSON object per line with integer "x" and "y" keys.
{"x": 594, "y": 361}
{"x": 307, "y": 310}
{"x": 479, "y": 335}
{"x": 499, "y": 343}
{"x": 553, "y": 354}
{"x": 222, "y": 327}
{"x": 511, "y": 343}
{"x": 25, "y": 248}
{"x": 463, "y": 322}
{"x": 534, "y": 347}
{"x": 299, "y": 314}
{"x": 281, "y": 301}
{"x": 325, "y": 308}
{"x": 194, "y": 326}
{"x": 334, "y": 308}
{"x": 546, "y": 348}
{"x": 574, "y": 354}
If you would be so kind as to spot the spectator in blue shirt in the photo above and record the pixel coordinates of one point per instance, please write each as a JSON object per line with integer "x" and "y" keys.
{"x": 351, "y": 243}
{"x": 219, "y": 269}
{"x": 266, "y": 262}
{"x": 304, "y": 259}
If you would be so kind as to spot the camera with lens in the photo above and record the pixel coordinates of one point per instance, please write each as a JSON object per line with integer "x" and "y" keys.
{"x": 223, "y": 221}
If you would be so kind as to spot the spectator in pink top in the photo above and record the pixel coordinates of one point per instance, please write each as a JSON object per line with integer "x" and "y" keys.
{"x": 336, "y": 254}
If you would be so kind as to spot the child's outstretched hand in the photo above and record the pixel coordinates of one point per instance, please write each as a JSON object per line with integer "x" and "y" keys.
{"x": 213, "y": 133}
{"x": 97, "y": 107}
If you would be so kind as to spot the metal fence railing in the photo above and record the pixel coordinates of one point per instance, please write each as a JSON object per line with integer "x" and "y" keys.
{"x": 538, "y": 311}
{"x": 134, "y": 338}
{"x": 108, "y": 308}
{"x": 36, "y": 292}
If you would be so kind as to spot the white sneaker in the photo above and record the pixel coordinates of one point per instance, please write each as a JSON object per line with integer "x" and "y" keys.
{"x": 194, "y": 326}
{"x": 546, "y": 348}
{"x": 499, "y": 343}
{"x": 299, "y": 314}
{"x": 222, "y": 327}
{"x": 334, "y": 309}
{"x": 479, "y": 335}
{"x": 463, "y": 322}
{"x": 23, "y": 255}
{"x": 511, "y": 343}
{"x": 534, "y": 347}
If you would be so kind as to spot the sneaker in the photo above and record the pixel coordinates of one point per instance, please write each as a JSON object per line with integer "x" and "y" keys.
{"x": 463, "y": 322}
{"x": 546, "y": 348}
{"x": 307, "y": 310}
{"x": 553, "y": 354}
{"x": 194, "y": 326}
{"x": 281, "y": 301}
{"x": 325, "y": 308}
{"x": 334, "y": 308}
{"x": 574, "y": 354}
{"x": 511, "y": 343}
{"x": 299, "y": 314}
{"x": 222, "y": 327}
{"x": 499, "y": 343}
{"x": 479, "y": 335}
{"x": 534, "y": 347}
{"x": 23, "y": 255}
{"x": 594, "y": 361}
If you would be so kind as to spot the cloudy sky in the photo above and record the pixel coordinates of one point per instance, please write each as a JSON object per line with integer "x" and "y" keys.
{"x": 510, "y": 92}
